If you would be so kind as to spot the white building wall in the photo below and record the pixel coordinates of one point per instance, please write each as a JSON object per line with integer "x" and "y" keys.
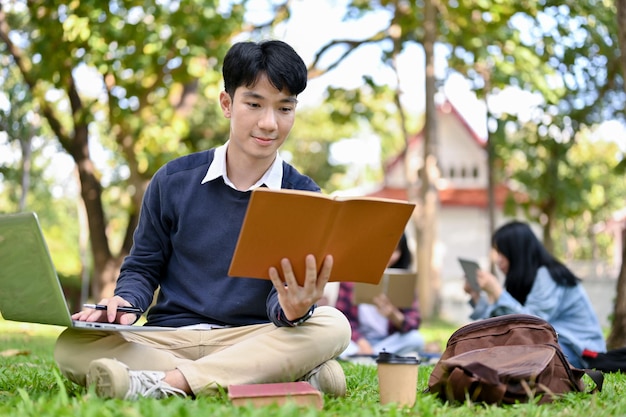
{"x": 461, "y": 232}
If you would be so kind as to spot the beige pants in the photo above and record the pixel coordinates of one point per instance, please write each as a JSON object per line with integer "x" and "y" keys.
{"x": 215, "y": 358}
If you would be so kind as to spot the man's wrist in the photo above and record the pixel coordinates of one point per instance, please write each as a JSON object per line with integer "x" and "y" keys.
{"x": 297, "y": 322}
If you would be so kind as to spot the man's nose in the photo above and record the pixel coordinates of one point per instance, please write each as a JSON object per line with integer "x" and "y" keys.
{"x": 268, "y": 120}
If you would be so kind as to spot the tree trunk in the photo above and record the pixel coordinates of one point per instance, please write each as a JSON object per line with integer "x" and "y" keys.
{"x": 426, "y": 210}
{"x": 548, "y": 225}
{"x": 105, "y": 265}
{"x": 617, "y": 337}
{"x": 27, "y": 153}
{"x": 76, "y": 143}
{"x": 485, "y": 71}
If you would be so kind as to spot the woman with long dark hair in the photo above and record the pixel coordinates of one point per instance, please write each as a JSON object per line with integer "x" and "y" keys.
{"x": 537, "y": 283}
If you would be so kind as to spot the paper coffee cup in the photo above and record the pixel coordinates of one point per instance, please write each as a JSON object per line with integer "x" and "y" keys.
{"x": 397, "y": 379}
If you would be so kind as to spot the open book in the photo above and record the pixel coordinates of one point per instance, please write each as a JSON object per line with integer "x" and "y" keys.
{"x": 397, "y": 284}
{"x": 360, "y": 233}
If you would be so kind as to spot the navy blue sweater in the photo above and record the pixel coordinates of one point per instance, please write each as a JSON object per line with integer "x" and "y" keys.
{"x": 184, "y": 243}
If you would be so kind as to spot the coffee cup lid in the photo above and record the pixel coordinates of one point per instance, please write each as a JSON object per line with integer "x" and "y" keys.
{"x": 386, "y": 357}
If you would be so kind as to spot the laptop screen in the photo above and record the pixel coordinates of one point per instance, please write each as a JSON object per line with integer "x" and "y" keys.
{"x": 30, "y": 290}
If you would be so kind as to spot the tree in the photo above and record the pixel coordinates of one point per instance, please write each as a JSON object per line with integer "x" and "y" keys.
{"x": 427, "y": 201}
{"x": 404, "y": 27}
{"x": 564, "y": 51}
{"x": 617, "y": 336}
{"x": 148, "y": 57}
{"x": 19, "y": 122}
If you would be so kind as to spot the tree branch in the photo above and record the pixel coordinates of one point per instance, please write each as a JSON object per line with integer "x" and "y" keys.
{"x": 24, "y": 65}
{"x": 352, "y": 46}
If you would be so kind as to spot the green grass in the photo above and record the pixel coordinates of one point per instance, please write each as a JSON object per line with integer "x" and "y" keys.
{"x": 30, "y": 385}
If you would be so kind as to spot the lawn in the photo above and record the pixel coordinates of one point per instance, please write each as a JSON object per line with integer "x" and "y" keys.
{"x": 31, "y": 386}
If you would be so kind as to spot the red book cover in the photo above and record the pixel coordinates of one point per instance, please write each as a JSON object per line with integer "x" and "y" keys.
{"x": 301, "y": 393}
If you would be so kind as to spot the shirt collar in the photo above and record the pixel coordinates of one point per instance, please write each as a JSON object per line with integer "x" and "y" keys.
{"x": 272, "y": 178}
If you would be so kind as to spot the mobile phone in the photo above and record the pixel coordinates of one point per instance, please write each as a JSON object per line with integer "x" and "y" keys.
{"x": 470, "y": 267}
{"x": 123, "y": 309}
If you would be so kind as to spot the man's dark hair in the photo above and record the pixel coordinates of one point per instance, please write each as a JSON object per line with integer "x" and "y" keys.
{"x": 246, "y": 61}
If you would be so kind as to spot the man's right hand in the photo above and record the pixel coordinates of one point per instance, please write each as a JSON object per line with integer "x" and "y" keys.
{"x": 110, "y": 315}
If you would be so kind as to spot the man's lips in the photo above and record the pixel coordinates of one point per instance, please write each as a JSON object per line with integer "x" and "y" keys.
{"x": 263, "y": 140}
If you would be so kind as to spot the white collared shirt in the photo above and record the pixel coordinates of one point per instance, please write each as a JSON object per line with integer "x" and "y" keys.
{"x": 272, "y": 178}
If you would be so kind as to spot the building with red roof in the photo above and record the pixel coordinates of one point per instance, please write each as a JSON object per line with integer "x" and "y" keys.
{"x": 462, "y": 216}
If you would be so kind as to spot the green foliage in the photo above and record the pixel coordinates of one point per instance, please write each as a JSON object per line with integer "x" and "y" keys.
{"x": 148, "y": 57}
{"x": 567, "y": 179}
{"x": 308, "y": 145}
{"x": 146, "y": 53}
{"x": 566, "y": 51}
{"x": 372, "y": 108}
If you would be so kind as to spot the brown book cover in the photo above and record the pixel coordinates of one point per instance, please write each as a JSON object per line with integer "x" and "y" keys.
{"x": 360, "y": 232}
{"x": 398, "y": 284}
{"x": 301, "y": 393}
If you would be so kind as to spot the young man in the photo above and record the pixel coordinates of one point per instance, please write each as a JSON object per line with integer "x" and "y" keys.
{"x": 229, "y": 330}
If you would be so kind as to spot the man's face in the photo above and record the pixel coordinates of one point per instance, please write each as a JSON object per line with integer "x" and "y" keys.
{"x": 261, "y": 118}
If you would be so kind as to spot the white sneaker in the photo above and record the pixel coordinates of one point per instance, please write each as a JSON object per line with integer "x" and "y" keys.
{"x": 328, "y": 378}
{"x": 113, "y": 379}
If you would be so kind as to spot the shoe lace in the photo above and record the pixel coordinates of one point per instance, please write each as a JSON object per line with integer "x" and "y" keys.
{"x": 151, "y": 385}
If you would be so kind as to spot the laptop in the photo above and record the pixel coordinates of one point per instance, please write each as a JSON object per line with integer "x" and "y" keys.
{"x": 30, "y": 290}
{"x": 398, "y": 284}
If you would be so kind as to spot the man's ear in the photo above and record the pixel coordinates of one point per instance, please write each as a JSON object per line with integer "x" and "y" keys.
{"x": 226, "y": 104}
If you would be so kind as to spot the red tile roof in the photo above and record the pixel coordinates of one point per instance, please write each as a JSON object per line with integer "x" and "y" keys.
{"x": 462, "y": 197}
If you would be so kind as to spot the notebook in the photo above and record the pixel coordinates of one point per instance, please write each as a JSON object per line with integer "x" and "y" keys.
{"x": 30, "y": 290}
{"x": 398, "y": 284}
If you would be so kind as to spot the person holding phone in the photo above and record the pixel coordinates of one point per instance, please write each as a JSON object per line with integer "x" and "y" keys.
{"x": 228, "y": 330}
{"x": 537, "y": 283}
{"x": 470, "y": 268}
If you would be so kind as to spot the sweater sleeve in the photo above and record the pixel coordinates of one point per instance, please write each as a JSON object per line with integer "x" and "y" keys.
{"x": 140, "y": 272}
{"x": 542, "y": 300}
{"x": 274, "y": 310}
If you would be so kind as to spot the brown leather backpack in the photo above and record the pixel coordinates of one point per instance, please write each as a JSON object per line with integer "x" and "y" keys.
{"x": 504, "y": 360}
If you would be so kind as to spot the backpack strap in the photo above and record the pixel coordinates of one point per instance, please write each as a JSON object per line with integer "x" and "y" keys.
{"x": 597, "y": 377}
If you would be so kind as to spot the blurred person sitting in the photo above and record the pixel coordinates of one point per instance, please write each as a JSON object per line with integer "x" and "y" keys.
{"x": 538, "y": 284}
{"x": 382, "y": 325}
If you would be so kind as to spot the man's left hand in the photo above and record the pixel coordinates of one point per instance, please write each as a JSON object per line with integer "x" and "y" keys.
{"x": 296, "y": 300}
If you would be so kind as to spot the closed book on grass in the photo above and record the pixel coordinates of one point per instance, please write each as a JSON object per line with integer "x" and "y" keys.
{"x": 360, "y": 233}
{"x": 301, "y": 393}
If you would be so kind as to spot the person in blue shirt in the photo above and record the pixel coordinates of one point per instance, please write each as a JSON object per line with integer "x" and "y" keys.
{"x": 537, "y": 283}
{"x": 229, "y": 330}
